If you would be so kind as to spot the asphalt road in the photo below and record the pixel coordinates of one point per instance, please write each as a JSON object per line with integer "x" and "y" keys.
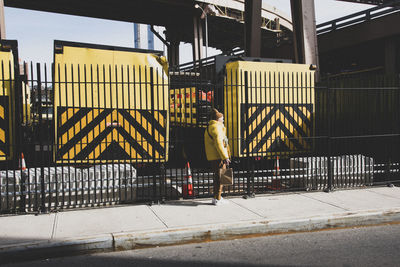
{"x": 365, "y": 246}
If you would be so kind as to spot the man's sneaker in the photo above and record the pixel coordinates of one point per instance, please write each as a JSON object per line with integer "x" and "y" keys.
{"x": 215, "y": 202}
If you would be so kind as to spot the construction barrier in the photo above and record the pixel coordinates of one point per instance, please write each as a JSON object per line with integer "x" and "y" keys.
{"x": 68, "y": 185}
{"x": 7, "y": 84}
{"x": 311, "y": 173}
{"x": 110, "y": 104}
{"x": 268, "y": 108}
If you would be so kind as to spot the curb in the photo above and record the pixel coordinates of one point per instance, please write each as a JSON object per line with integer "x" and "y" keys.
{"x": 176, "y": 236}
{"x": 137, "y": 240}
{"x": 56, "y": 248}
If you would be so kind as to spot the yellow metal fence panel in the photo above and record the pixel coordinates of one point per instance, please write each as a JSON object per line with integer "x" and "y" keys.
{"x": 269, "y": 108}
{"x": 110, "y": 106}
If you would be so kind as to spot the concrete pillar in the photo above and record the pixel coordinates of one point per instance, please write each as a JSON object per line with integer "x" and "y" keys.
{"x": 253, "y": 28}
{"x": 2, "y": 21}
{"x": 173, "y": 53}
{"x": 304, "y": 32}
{"x": 197, "y": 39}
{"x": 173, "y": 47}
{"x": 390, "y": 56}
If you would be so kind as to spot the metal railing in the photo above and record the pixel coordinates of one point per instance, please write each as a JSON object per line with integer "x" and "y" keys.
{"x": 285, "y": 135}
{"x": 359, "y": 17}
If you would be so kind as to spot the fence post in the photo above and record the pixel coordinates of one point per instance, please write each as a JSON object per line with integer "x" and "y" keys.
{"x": 152, "y": 87}
{"x": 18, "y": 105}
{"x": 329, "y": 140}
{"x": 162, "y": 183}
{"x": 250, "y": 175}
{"x": 40, "y": 112}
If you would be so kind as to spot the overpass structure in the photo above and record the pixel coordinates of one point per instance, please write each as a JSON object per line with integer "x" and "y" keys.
{"x": 280, "y": 38}
{"x": 363, "y": 42}
{"x": 181, "y": 19}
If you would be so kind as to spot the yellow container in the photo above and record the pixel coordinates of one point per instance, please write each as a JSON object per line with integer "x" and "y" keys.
{"x": 110, "y": 105}
{"x": 6, "y": 96}
{"x": 269, "y": 108}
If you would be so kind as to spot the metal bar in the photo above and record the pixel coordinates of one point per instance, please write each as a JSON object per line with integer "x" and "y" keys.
{"x": 329, "y": 111}
{"x": 106, "y": 143}
{"x": 42, "y": 178}
{"x": 47, "y": 160}
{"x": 124, "y": 140}
{"x": 130, "y": 134}
{"x": 153, "y": 129}
{"x": 112, "y": 107}
{"x": 81, "y": 141}
{"x": 118, "y": 126}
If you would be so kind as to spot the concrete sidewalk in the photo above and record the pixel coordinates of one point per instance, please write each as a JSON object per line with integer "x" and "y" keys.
{"x": 176, "y": 222}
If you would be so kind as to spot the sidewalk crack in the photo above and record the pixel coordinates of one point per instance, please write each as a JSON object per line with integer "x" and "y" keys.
{"x": 382, "y": 194}
{"x": 330, "y": 204}
{"x": 55, "y": 223}
{"x": 252, "y": 211}
{"x": 158, "y": 217}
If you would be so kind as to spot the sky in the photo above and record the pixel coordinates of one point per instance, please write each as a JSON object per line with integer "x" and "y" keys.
{"x": 36, "y": 31}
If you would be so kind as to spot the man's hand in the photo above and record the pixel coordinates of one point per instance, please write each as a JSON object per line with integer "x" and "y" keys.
{"x": 227, "y": 161}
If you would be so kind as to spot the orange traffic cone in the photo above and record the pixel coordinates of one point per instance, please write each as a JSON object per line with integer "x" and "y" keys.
{"x": 24, "y": 176}
{"x": 276, "y": 168}
{"x": 22, "y": 164}
{"x": 187, "y": 189}
{"x": 276, "y": 181}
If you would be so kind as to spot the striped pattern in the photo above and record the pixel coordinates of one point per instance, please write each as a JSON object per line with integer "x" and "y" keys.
{"x": 272, "y": 127}
{"x": 182, "y": 106}
{"x": 97, "y": 134}
{"x": 3, "y": 127}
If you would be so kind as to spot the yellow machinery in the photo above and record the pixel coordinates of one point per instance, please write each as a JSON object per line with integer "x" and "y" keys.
{"x": 189, "y": 107}
{"x": 6, "y": 83}
{"x": 109, "y": 104}
{"x": 269, "y": 107}
{"x": 182, "y": 102}
{"x": 8, "y": 118}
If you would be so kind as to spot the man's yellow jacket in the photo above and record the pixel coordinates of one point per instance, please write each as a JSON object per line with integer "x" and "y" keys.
{"x": 215, "y": 141}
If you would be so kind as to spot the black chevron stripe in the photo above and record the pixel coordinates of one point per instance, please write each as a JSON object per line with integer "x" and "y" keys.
{"x": 296, "y": 126}
{"x": 274, "y": 108}
{"x": 307, "y": 121}
{"x": 261, "y": 125}
{"x": 149, "y": 117}
{"x": 82, "y": 112}
{"x": 268, "y": 135}
{"x": 82, "y": 155}
{"x": 145, "y": 134}
{"x": 82, "y": 132}
{"x": 259, "y": 110}
{"x": 261, "y": 107}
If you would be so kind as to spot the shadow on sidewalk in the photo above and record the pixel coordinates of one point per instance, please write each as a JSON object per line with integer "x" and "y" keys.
{"x": 187, "y": 203}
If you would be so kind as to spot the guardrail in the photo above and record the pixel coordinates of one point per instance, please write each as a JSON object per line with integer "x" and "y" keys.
{"x": 358, "y": 17}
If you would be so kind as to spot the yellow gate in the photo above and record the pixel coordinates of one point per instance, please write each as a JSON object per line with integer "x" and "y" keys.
{"x": 269, "y": 107}
{"x": 110, "y": 105}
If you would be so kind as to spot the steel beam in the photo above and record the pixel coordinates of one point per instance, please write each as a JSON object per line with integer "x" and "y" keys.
{"x": 253, "y": 28}
{"x": 197, "y": 43}
{"x": 173, "y": 47}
